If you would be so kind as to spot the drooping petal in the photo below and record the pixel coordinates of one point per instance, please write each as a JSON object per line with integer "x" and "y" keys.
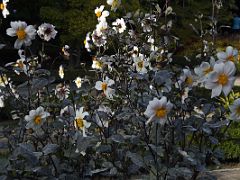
{"x": 226, "y": 89}
{"x": 151, "y": 119}
{"x": 216, "y": 91}
{"x": 18, "y": 44}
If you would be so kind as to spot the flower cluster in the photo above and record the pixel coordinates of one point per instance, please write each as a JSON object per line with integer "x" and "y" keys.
{"x": 26, "y": 33}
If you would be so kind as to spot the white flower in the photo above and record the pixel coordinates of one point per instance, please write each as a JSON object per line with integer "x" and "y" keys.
{"x": 235, "y": 110}
{"x": 98, "y": 38}
{"x": 147, "y": 22}
{"x": 62, "y": 91}
{"x": 204, "y": 69}
{"x": 102, "y": 27}
{"x": 119, "y": 25}
{"x": 97, "y": 64}
{"x": 114, "y": 4}
{"x": 101, "y": 15}
{"x": 3, "y": 7}
{"x": 186, "y": 78}
{"x": 231, "y": 54}
{"x": 221, "y": 78}
{"x": 65, "y": 50}
{"x": 46, "y": 31}
{"x": 79, "y": 121}
{"x": 140, "y": 63}
{"x": 105, "y": 87}
{"x": 23, "y": 32}
{"x": 157, "y": 110}
{"x": 61, "y": 72}
{"x": 134, "y": 52}
{"x": 78, "y": 82}
{"x": 36, "y": 118}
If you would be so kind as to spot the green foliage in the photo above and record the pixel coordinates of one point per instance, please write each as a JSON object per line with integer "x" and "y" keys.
{"x": 231, "y": 146}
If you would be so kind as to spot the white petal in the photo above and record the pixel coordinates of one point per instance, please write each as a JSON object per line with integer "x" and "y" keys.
{"x": 212, "y": 77}
{"x": 162, "y": 121}
{"x": 31, "y": 31}
{"x": 27, "y": 118}
{"x": 222, "y": 56}
{"x": 105, "y": 14}
{"x": 18, "y": 44}
{"x": 110, "y": 82}
{"x": 5, "y": 12}
{"x": 87, "y": 124}
{"x": 11, "y": 32}
{"x": 98, "y": 85}
{"x": 229, "y": 51}
{"x": 163, "y": 101}
{"x": 226, "y": 89}
{"x": 210, "y": 85}
{"x": 27, "y": 41}
{"x": 14, "y": 24}
{"x": 101, "y": 8}
{"x": 149, "y": 111}
{"x": 39, "y": 110}
{"x": 216, "y": 91}
{"x": 151, "y": 119}
{"x": 85, "y": 114}
{"x": 219, "y": 67}
{"x": 229, "y": 68}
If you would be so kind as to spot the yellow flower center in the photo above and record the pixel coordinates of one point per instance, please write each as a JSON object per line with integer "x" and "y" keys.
{"x": 161, "y": 112}
{"x": 2, "y": 6}
{"x": 79, "y": 123}
{"x": 98, "y": 64}
{"x": 223, "y": 79}
{"x": 231, "y": 58}
{"x": 37, "y": 120}
{"x": 104, "y": 86}
{"x": 78, "y": 82}
{"x": 21, "y": 34}
{"x": 85, "y": 42}
{"x": 140, "y": 64}
{"x": 189, "y": 80}
{"x": 208, "y": 70}
{"x": 98, "y": 14}
{"x": 20, "y": 64}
